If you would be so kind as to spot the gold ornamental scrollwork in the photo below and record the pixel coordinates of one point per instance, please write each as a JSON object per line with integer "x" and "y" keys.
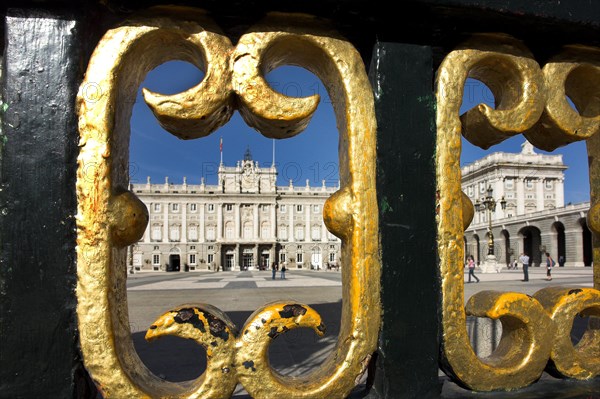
{"x": 110, "y": 217}
{"x": 530, "y": 101}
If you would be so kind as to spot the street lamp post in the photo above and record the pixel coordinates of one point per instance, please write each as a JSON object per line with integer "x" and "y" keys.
{"x": 488, "y": 205}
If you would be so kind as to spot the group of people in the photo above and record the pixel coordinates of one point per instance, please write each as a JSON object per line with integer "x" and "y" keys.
{"x": 550, "y": 263}
{"x": 524, "y": 259}
{"x": 275, "y": 268}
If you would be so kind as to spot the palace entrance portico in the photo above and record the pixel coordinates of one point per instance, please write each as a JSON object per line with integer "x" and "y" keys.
{"x": 247, "y": 256}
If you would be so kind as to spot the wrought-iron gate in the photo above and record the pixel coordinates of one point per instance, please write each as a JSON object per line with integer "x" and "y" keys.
{"x": 69, "y": 72}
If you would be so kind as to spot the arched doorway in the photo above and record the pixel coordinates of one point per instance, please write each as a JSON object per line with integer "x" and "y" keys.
{"x": 174, "y": 264}
{"x": 477, "y": 249}
{"x": 558, "y": 232}
{"x": 587, "y": 243}
{"x": 507, "y": 249}
{"x": 531, "y": 241}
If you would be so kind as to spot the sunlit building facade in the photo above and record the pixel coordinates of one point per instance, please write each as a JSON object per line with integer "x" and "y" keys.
{"x": 535, "y": 218}
{"x": 244, "y": 222}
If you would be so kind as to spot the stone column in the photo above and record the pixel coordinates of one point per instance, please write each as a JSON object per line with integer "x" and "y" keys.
{"x": 273, "y": 222}
{"x": 219, "y": 221}
{"x": 307, "y": 228}
{"x": 574, "y": 247}
{"x": 539, "y": 194}
{"x": 201, "y": 226}
{"x": 256, "y": 256}
{"x": 184, "y": 222}
{"x": 559, "y": 192}
{"x": 165, "y": 236}
{"x": 255, "y": 222}
{"x": 291, "y": 237}
{"x": 498, "y": 195}
{"x": 520, "y": 196}
{"x": 237, "y": 221}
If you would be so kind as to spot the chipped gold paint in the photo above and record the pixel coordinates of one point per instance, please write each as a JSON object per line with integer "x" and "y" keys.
{"x": 581, "y": 361}
{"x": 523, "y": 104}
{"x": 110, "y": 218}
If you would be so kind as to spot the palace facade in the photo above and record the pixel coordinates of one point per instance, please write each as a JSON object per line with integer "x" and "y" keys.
{"x": 535, "y": 219}
{"x": 244, "y": 222}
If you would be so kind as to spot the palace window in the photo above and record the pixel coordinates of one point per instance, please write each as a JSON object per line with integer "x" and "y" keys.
{"x": 247, "y": 230}
{"x": 332, "y": 256}
{"x": 210, "y": 207}
{"x": 316, "y": 208}
{"x": 193, "y": 208}
{"x": 156, "y": 247}
{"x": 528, "y": 183}
{"x": 193, "y": 233}
{"x": 299, "y": 258}
{"x": 192, "y": 259}
{"x": 316, "y": 233}
{"x": 548, "y": 184}
{"x": 156, "y": 207}
{"x": 470, "y": 191}
{"x": 175, "y": 207}
{"x": 264, "y": 208}
{"x": 174, "y": 233}
{"x": 298, "y": 208}
{"x": 210, "y": 258}
{"x": 265, "y": 230}
{"x": 210, "y": 233}
{"x": 282, "y": 257}
{"x": 282, "y": 208}
{"x": 229, "y": 230}
{"x": 156, "y": 259}
{"x": 509, "y": 183}
{"x": 192, "y": 247}
{"x": 299, "y": 233}
{"x": 156, "y": 234}
{"x": 283, "y": 232}
{"x": 229, "y": 207}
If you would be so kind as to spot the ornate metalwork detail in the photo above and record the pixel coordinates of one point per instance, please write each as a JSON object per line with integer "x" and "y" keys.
{"x": 531, "y": 101}
{"x": 110, "y": 218}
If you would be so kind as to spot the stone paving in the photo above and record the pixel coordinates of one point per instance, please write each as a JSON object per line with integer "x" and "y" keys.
{"x": 240, "y": 293}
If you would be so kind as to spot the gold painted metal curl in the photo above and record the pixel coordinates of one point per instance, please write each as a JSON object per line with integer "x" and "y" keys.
{"x": 493, "y": 59}
{"x": 574, "y": 73}
{"x": 528, "y": 330}
{"x": 581, "y": 361}
{"x": 211, "y": 328}
{"x": 110, "y": 218}
{"x": 351, "y": 213}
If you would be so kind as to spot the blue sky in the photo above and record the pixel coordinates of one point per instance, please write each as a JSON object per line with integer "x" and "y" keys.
{"x": 310, "y": 155}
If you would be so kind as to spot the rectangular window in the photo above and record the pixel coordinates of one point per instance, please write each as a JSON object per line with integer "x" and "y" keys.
{"x": 470, "y": 191}
{"x": 156, "y": 207}
{"x": 283, "y": 233}
{"x": 282, "y": 258}
{"x": 192, "y": 247}
{"x": 549, "y": 184}
{"x": 529, "y": 183}
{"x": 316, "y": 233}
{"x": 193, "y": 233}
{"x": 316, "y": 208}
{"x": 299, "y": 258}
{"x": 298, "y": 208}
{"x": 210, "y": 207}
{"x": 210, "y": 233}
{"x": 156, "y": 234}
{"x": 192, "y": 259}
{"x": 210, "y": 248}
{"x": 229, "y": 207}
{"x": 265, "y": 208}
{"x": 530, "y": 196}
{"x": 332, "y": 257}
{"x": 299, "y": 233}
{"x": 210, "y": 258}
{"x": 509, "y": 183}
{"x": 156, "y": 247}
{"x": 156, "y": 259}
{"x": 192, "y": 207}
{"x": 282, "y": 208}
{"x": 175, "y": 207}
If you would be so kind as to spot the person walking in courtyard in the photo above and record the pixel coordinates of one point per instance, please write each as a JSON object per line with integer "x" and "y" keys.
{"x": 273, "y": 270}
{"x": 471, "y": 265}
{"x": 283, "y": 272}
{"x": 524, "y": 259}
{"x": 550, "y": 263}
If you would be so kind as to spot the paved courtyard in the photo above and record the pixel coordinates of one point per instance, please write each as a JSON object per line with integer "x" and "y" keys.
{"x": 240, "y": 293}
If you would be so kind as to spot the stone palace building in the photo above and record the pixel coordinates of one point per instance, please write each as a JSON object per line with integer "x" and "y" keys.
{"x": 245, "y": 221}
{"x": 535, "y": 219}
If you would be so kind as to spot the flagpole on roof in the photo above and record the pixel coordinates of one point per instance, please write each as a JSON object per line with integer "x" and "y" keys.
{"x": 221, "y": 149}
{"x": 273, "y": 164}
